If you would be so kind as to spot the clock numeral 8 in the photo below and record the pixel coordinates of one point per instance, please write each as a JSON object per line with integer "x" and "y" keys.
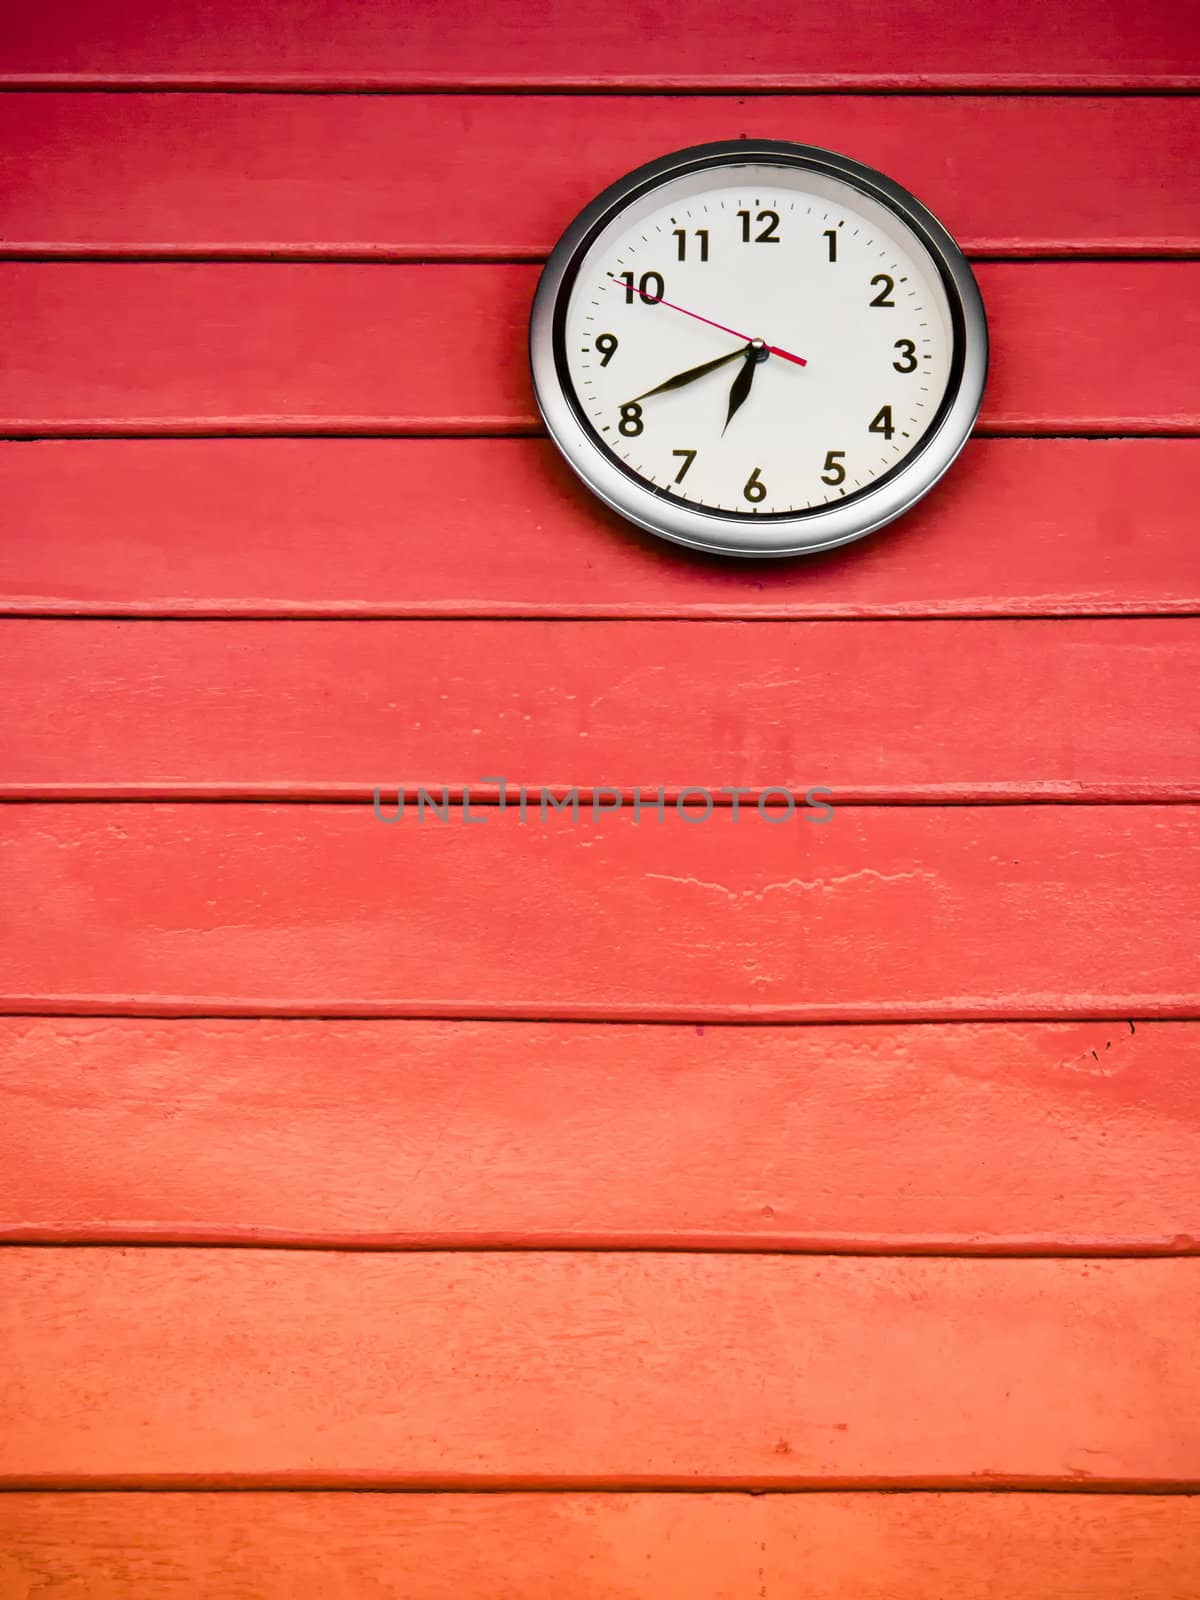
{"x": 755, "y": 489}
{"x": 631, "y": 423}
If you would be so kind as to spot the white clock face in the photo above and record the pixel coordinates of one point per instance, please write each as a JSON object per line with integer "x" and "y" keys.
{"x": 754, "y": 347}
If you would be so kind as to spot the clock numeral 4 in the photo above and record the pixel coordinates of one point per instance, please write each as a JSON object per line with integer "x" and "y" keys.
{"x": 770, "y": 231}
{"x": 754, "y": 489}
{"x": 688, "y": 457}
{"x": 650, "y": 287}
{"x": 701, "y": 238}
{"x": 882, "y": 422}
{"x": 835, "y": 472}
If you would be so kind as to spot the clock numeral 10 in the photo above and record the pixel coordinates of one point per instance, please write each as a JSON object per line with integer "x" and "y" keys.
{"x": 650, "y": 287}
{"x": 770, "y": 232}
{"x": 702, "y": 238}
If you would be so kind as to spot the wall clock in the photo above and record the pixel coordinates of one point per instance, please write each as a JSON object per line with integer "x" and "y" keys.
{"x": 758, "y": 348}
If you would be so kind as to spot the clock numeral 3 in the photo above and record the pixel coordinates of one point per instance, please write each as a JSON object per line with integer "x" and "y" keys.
{"x": 834, "y": 472}
{"x": 754, "y": 488}
{"x": 887, "y": 285}
{"x": 631, "y": 423}
{"x": 607, "y": 344}
{"x": 908, "y": 356}
{"x": 650, "y": 287}
{"x": 882, "y": 422}
{"x": 688, "y": 457}
{"x": 770, "y": 232}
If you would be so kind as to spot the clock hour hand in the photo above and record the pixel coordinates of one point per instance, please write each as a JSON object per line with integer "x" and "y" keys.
{"x": 680, "y": 378}
{"x": 741, "y": 389}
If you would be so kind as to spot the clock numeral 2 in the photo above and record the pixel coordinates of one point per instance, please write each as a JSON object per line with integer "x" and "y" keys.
{"x": 688, "y": 457}
{"x": 650, "y": 287}
{"x": 886, "y": 285}
{"x": 834, "y": 472}
{"x": 769, "y": 235}
{"x": 754, "y": 488}
{"x": 701, "y": 235}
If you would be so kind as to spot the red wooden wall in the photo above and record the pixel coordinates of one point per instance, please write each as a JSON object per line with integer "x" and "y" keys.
{"x": 577, "y": 1180}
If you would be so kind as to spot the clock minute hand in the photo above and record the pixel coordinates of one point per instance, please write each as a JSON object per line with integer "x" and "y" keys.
{"x": 681, "y": 378}
{"x": 657, "y": 300}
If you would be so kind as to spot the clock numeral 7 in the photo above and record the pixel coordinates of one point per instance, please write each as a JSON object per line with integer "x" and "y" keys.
{"x": 702, "y": 237}
{"x": 688, "y": 457}
{"x": 650, "y": 287}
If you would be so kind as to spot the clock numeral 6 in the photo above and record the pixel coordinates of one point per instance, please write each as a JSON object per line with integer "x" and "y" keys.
{"x": 908, "y": 356}
{"x": 770, "y": 232}
{"x": 650, "y": 287}
{"x": 754, "y": 488}
{"x": 882, "y": 422}
{"x": 834, "y": 472}
{"x": 885, "y": 286}
{"x": 607, "y": 344}
{"x": 631, "y": 423}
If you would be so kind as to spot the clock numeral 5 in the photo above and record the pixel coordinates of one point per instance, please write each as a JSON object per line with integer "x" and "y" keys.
{"x": 650, "y": 287}
{"x": 834, "y": 472}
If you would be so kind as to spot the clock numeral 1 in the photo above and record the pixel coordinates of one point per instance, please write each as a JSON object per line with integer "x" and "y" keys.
{"x": 882, "y": 422}
{"x": 831, "y": 235}
{"x": 754, "y": 488}
{"x": 769, "y": 234}
{"x": 908, "y": 356}
{"x": 650, "y": 287}
{"x": 631, "y": 424}
{"x": 688, "y": 457}
{"x": 834, "y": 472}
{"x": 701, "y": 235}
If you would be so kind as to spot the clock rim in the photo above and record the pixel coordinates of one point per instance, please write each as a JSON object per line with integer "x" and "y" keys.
{"x": 783, "y": 533}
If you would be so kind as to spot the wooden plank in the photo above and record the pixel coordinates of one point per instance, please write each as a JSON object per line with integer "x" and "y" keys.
{"x": 674, "y": 1546}
{"x": 158, "y": 710}
{"x": 261, "y": 1368}
{"x": 1020, "y": 1138}
{"x": 313, "y": 176}
{"x": 96, "y": 347}
{"x": 875, "y": 913}
{"x": 279, "y": 527}
{"x": 706, "y": 44}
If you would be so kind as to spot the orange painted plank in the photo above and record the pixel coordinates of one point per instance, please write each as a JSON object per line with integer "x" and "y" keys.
{"x": 702, "y": 43}
{"x": 871, "y": 711}
{"x": 876, "y": 913}
{"x": 672, "y": 1546}
{"x": 95, "y": 347}
{"x": 260, "y": 1368}
{"x": 277, "y": 527}
{"x": 979, "y": 1137}
{"x": 313, "y": 175}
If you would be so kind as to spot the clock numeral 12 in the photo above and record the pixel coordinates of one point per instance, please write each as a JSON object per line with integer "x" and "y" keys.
{"x": 769, "y": 234}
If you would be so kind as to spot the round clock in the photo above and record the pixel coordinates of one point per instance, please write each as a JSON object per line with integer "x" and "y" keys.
{"x": 758, "y": 348}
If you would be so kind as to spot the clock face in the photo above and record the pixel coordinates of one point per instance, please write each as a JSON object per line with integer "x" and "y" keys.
{"x": 752, "y": 349}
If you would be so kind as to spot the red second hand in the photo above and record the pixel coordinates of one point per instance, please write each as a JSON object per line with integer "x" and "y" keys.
{"x": 657, "y": 299}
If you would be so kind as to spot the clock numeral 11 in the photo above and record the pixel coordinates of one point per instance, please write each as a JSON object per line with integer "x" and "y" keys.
{"x": 701, "y": 238}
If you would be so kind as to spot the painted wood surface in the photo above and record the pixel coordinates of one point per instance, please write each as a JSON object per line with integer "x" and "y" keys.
{"x": 609, "y": 1546}
{"x": 1013, "y": 1137}
{"x": 700, "y": 43}
{"x": 312, "y": 176}
{"x": 102, "y": 347}
{"x": 546, "y": 1369}
{"x": 1001, "y": 710}
{"x": 918, "y": 913}
{"x": 326, "y": 527}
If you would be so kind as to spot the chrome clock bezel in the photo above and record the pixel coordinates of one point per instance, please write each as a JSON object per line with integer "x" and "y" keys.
{"x": 782, "y": 533}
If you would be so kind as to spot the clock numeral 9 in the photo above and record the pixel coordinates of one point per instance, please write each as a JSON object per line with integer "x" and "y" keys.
{"x": 882, "y": 422}
{"x": 834, "y": 472}
{"x": 754, "y": 488}
{"x": 607, "y": 344}
{"x": 650, "y": 287}
{"x": 631, "y": 423}
{"x": 769, "y": 235}
{"x": 908, "y": 356}
{"x": 701, "y": 235}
